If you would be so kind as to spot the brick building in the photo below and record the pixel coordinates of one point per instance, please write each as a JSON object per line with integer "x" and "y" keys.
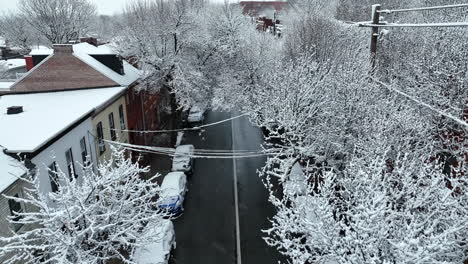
{"x": 262, "y": 8}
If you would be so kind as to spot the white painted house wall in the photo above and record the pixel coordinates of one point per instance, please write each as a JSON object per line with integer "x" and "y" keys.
{"x": 56, "y": 152}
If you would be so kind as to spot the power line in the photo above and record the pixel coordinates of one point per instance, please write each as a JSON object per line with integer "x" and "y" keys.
{"x": 181, "y": 129}
{"x": 392, "y": 25}
{"x": 203, "y": 156}
{"x": 388, "y": 11}
{"x": 208, "y": 154}
{"x": 456, "y": 119}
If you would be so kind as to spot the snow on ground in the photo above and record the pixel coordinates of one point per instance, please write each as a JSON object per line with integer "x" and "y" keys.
{"x": 180, "y": 135}
{"x": 46, "y": 115}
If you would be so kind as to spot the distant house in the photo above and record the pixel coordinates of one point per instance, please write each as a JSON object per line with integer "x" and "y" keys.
{"x": 263, "y": 8}
{"x": 7, "y": 52}
{"x": 12, "y": 69}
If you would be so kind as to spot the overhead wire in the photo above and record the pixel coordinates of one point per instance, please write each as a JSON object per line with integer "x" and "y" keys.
{"x": 196, "y": 151}
{"x": 394, "y": 25}
{"x": 447, "y": 115}
{"x": 391, "y": 25}
{"x": 172, "y": 152}
{"x": 197, "y": 128}
{"x": 389, "y": 11}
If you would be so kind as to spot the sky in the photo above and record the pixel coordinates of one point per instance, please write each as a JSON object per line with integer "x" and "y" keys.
{"x": 105, "y": 7}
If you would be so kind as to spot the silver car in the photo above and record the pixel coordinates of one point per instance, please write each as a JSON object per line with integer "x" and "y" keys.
{"x": 182, "y": 160}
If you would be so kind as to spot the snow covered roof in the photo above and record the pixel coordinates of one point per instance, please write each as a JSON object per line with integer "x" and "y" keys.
{"x": 11, "y": 170}
{"x": 41, "y": 50}
{"x": 45, "y": 115}
{"x": 131, "y": 74}
{"x": 5, "y": 85}
{"x": 13, "y": 63}
{"x": 83, "y": 51}
{"x": 80, "y": 47}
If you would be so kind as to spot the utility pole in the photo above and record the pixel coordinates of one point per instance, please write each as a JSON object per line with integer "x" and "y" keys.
{"x": 375, "y": 34}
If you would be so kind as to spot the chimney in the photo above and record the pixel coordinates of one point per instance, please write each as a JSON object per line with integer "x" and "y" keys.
{"x": 29, "y": 62}
{"x": 89, "y": 40}
{"x": 13, "y": 110}
{"x": 63, "y": 49}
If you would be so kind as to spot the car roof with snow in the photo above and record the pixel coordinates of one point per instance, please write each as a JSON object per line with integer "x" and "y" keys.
{"x": 154, "y": 252}
{"x": 184, "y": 150}
{"x": 197, "y": 108}
{"x": 170, "y": 184}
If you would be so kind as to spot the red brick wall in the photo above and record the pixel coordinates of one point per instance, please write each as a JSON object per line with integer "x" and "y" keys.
{"x": 253, "y": 7}
{"x": 63, "y": 71}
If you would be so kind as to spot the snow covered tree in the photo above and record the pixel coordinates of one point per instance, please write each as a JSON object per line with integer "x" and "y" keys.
{"x": 201, "y": 52}
{"x": 17, "y": 31}
{"x": 321, "y": 104}
{"x": 371, "y": 213}
{"x": 157, "y": 35}
{"x": 59, "y": 21}
{"x": 93, "y": 219}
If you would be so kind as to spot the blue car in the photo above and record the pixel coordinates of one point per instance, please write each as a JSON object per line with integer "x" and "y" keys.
{"x": 173, "y": 189}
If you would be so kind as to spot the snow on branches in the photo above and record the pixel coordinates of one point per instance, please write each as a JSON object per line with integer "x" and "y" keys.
{"x": 386, "y": 180}
{"x": 369, "y": 213}
{"x": 92, "y": 219}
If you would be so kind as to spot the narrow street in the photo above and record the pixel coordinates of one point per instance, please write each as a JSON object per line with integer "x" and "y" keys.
{"x": 206, "y": 232}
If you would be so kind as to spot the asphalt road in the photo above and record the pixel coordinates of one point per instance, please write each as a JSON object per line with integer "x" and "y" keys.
{"x": 206, "y": 232}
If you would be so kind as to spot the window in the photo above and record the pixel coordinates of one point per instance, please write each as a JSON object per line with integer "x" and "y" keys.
{"x": 112, "y": 126}
{"x": 53, "y": 177}
{"x": 100, "y": 135}
{"x": 122, "y": 117}
{"x": 84, "y": 151}
{"x": 15, "y": 207}
{"x": 70, "y": 164}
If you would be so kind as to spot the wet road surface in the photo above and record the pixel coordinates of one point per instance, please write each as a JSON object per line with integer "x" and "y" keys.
{"x": 206, "y": 232}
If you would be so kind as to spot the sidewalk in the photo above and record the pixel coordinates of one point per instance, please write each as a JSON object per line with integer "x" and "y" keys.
{"x": 162, "y": 163}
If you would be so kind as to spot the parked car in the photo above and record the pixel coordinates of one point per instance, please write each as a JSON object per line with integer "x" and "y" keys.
{"x": 173, "y": 189}
{"x": 159, "y": 251}
{"x": 296, "y": 182}
{"x": 182, "y": 160}
{"x": 196, "y": 114}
